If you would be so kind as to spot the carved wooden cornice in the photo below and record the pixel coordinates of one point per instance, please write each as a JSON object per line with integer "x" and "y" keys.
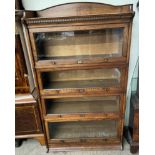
{"x": 78, "y": 12}
{"x": 76, "y": 19}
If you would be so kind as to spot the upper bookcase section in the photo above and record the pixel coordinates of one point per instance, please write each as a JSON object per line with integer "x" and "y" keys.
{"x": 78, "y": 12}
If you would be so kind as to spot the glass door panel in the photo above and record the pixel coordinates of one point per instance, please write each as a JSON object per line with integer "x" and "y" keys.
{"x": 86, "y": 104}
{"x": 88, "y": 129}
{"x": 81, "y": 78}
{"x": 104, "y": 43}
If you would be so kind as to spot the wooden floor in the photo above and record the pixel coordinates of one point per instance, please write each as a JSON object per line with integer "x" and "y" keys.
{"x": 32, "y": 147}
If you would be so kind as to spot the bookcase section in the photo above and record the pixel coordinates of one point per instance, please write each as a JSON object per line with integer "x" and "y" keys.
{"x": 80, "y": 54}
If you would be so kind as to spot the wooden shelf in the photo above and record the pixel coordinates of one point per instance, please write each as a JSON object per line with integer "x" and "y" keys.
{"x": 24, "y": 99}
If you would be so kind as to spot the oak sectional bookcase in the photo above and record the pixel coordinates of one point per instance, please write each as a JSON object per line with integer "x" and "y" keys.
{"x": 80, "y": 54}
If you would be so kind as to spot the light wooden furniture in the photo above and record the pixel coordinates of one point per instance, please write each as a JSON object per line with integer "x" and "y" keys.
{"x": 80, "y": 54}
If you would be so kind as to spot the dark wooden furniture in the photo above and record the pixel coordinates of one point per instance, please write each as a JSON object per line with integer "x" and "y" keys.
{"x": 18, "y": 5}
{"x": 27, "y": 115}
{"x": 21, "y": 75}
{"x": 131, "y": 132}
{"x": 134, "y": 124}
{"x": 27, "y": 119}
{"x": 80, "y": 54}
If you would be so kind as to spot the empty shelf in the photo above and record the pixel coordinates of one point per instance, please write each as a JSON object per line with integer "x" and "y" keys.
{"x": 89, "y": 129}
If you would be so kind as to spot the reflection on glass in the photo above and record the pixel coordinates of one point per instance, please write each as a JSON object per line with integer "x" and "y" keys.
{"x": 81, "y": 78}
{"x": 89, "y": 129}
{"x": 79, "y": 44}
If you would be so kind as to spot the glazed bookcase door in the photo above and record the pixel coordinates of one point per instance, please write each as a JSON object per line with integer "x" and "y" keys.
{"x": 82, "y": 108}
{"x": 82, "y": 105}
{"x": 92, "y": 44}
{"x": 81, "y": 80}
{"x": 83, "y": 131}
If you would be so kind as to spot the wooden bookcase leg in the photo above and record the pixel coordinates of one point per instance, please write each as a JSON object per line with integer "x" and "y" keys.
{"x": 47, "y": 150}
{"x": 134, "y": 148}
{"x": 18, "y": 142}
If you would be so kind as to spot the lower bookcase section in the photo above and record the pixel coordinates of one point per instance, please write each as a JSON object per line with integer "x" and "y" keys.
{"x": 83, "y": 123}
{"x": 83, "y": 135}
{"x": 98, "y": 134}
{"x": 86, "y": 129}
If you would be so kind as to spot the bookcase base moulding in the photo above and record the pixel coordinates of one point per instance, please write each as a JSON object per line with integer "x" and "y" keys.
{"x": 80, "y": 54}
